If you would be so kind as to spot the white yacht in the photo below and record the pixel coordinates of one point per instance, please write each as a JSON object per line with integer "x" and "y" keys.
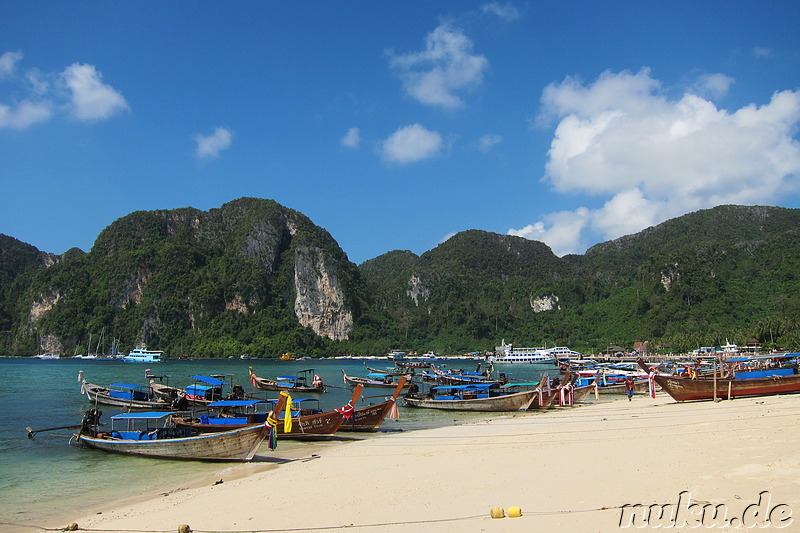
{"x": 141, "y": 355}
{"x": 507, "y": 354}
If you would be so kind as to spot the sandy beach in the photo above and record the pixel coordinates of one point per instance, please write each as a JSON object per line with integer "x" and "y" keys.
{"x": 569, "y": 469}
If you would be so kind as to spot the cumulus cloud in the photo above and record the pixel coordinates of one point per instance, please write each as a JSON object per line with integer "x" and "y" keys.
{"x": 713, "y": 86}
{"x": 37, "y": 96}
{"x": 91, "y": 99}
{"x": 8, "y": 63}
{"x": 562, "y": 231}
{"x": 489, "y": 141}
{"x": 411, "y": 143}
{"x": 24, "y": 114}
{"x": 352, "y": 138}
{"x": 212, "y": 145}
{"x": 444, "y": 68}
{"x": 506, "y": 11}
{"x": 654, "y": 158}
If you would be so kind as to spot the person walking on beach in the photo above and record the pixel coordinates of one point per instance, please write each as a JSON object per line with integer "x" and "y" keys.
{"x": 629, "y": 387}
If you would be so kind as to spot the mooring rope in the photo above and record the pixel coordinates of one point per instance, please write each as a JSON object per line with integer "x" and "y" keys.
{"x": 75, "y": 527}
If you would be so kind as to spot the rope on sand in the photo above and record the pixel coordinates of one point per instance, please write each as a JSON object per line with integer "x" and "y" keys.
{"x": 75, "y": 527}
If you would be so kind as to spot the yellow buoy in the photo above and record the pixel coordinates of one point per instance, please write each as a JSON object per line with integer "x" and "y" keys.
{"x": 514, "y": 512}
{"x": 72, "y": 527}
{"x": 498, "y": 512}
{"x": 183, "y": 528}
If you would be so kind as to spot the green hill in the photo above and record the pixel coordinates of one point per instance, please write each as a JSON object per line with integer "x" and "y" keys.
{"x": 256, "y": 277}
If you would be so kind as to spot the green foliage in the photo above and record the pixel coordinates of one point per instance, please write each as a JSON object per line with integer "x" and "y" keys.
{"x": 222, "y": 283}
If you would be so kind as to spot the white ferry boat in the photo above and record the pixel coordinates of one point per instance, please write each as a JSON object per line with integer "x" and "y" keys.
{"x": 562, "y": 352}
{"x": 141, "y": 355}
{"x": 507, "y": 354}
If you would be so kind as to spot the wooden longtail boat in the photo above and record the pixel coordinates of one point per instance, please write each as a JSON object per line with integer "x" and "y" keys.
{"x": 306, "y": 381}
{"x": 389, "y": 371}
{"x": 686, "y": 389}
{"x": 160, "y": 439}
{"x": 375, "y": 380}
{"x": 460, "y": 377}
{"x": 126, "y": 395}
{"x": 474, "y": 397}
{"x": 371, "y": 417}
{"x": 308, "y": 423}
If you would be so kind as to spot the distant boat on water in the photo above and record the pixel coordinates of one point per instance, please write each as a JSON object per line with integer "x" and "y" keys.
{"x": 508, "y": 354}
{"x": 142, "y": 355}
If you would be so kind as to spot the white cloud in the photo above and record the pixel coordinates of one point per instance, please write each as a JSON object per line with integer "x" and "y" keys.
{"x": 24, "y": 114}
{"x": 562, "y": 231}
{"x": 79, "y": 89}
{"x": 212, "y": 145}
{"x": 435, "y": 75}
{"x": 8, "y": 63}
{"x": 91, "y": 99}
{"x": 506, "y": 11}
{"x": 352, "y": 138}
{"x": 411, "y": 143}
{"x": 713, "y": 85}
{"x": 655, "y": 158}
{"x": 447, "y": 237}
{"x": 762, "y": 51}
{"x": 489, "y": 141}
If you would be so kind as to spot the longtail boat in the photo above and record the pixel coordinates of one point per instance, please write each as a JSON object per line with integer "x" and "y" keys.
{"x": 307, "y": 421}
{"x": 389, "y": 371}
{"x": 371, "y": 417}
{"x": 323, "y": 424}
{"x": 763, "y": 383}
{"x": 126, "y": 395}
{"x": 374, "y": 379}
{"x": 305, "y": 381}
{"x": 485, "y": 397}
{"x": 151, "y": 434}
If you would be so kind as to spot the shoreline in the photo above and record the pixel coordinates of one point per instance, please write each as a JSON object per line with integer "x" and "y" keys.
{"x": 567, "y": 468}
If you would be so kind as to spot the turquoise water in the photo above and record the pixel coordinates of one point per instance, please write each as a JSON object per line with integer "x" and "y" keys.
{"x": 46, "y": 477}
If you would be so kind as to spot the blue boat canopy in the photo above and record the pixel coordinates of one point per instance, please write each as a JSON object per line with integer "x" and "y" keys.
{"x": 234, "y": 403}
{"x": 209, "y": 380}
{"x": 129, "y": 386}
{"x": 376, "y": 375}
{"x": 150, "y": 415}
{"x": 481, "y": 386}
{"x": 287, "y": 378}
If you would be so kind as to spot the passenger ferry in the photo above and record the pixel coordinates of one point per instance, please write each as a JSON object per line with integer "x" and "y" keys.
{"x": 141, "y": 355}
{"x": 507, "y": 354}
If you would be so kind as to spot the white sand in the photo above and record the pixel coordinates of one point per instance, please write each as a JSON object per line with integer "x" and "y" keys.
{"x": 561, "y": 468}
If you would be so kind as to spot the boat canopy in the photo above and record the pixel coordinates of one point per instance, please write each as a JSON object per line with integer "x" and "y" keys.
{"x": 128, "y": 386}
{"x": 150, "y": 415}
{"x": 481, "y": 386}
{"x": 209, "y": 380}
{"x": 287, "y": 378}
{"x": 376, "y": 375}
{"x": 234, "y": 403}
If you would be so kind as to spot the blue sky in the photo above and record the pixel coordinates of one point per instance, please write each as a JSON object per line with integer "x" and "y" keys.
{"x": 392, "y": 124}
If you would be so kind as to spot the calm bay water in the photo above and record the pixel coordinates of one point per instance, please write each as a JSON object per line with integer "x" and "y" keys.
{"x": 46, "y": 477}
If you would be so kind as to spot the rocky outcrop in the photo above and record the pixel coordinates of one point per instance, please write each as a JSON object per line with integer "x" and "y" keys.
{"x": 42, "y": 306}
{"x": 545, "y": 303}
{"x": 416, "y": 290}
{"x": 319, "y": 297}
